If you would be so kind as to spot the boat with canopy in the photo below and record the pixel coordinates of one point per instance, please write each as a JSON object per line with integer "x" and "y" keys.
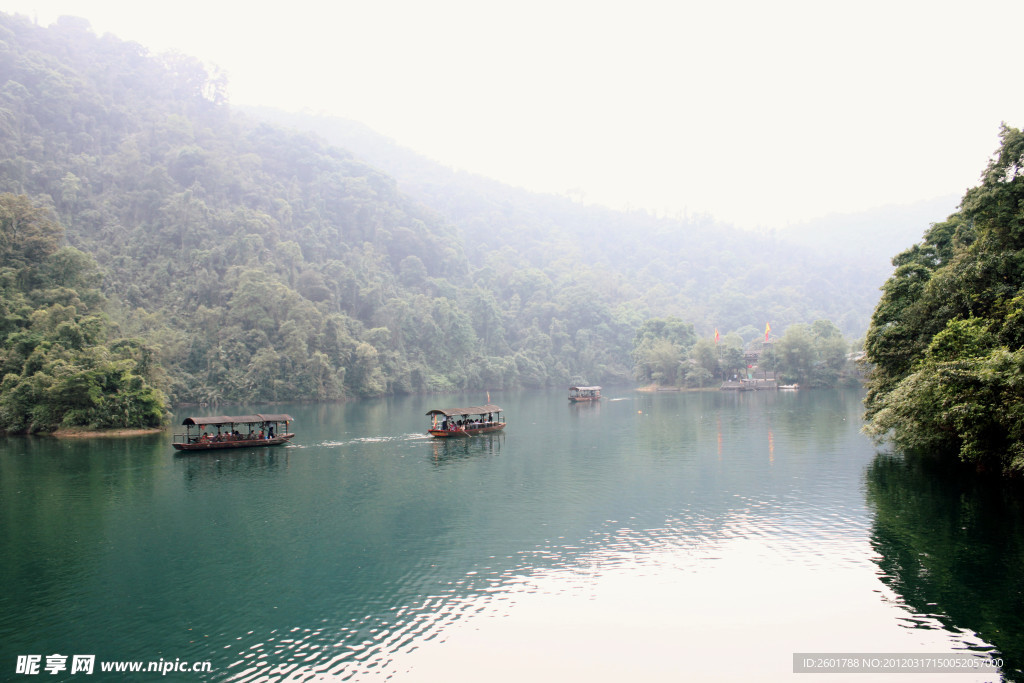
{"x": 457, "y": 422}
{"x": 239, "y": 431}
{"x": 582, "y": 394}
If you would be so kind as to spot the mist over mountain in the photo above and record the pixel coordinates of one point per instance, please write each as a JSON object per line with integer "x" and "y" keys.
{"x": 848, "y": 255}
{"x": 874, "y": 235}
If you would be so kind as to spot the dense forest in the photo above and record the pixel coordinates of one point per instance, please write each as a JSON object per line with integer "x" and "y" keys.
{"x": 59, "y": 364}
{"x": 196, "y": 254}
{"x": 947, "y": 338}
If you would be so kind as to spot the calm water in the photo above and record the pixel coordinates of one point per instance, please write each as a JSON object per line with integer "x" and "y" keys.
{"x": 666, "y": 537}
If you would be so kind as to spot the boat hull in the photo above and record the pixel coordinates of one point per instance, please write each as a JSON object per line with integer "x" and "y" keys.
{"x": 464, "y": 433}
{"x": 241, "y": 443}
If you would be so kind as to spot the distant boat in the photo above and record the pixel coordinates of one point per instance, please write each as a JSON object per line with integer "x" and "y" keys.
{"x": 242, "y": 431}
{"x": 458, "y": 422}
{"x": 581, "y": 394}
{"x": 788, "y": 387}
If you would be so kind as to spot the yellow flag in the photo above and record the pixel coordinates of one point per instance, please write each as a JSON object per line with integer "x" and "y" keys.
{"x": 767, "y": 329}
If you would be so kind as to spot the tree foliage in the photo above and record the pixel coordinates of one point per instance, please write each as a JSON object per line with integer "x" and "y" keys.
{"x": 946, "y": 341}
{"x": 813, "y": 355}
{"x": 60, "y": 366}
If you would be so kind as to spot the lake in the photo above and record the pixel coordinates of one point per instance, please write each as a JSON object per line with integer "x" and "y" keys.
{"x": 654, "y": 537}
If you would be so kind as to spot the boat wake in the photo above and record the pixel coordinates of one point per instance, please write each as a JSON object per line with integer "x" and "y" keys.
{"x": 373, "y": 440}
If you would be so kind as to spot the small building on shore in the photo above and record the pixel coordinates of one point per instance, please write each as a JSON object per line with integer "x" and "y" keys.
{"x": 758, "y": 380}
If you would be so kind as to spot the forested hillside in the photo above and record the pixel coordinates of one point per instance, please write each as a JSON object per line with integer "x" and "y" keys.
{"x": 59, "y": 365}
{"x": 947, "y": 337}
{"x": 258, "y": 264}
{"x": 250, "y": 262}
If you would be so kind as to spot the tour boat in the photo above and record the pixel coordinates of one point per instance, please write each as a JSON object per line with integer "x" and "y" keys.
{"x": 241, "y": 431}
{"x": 579, "y": 394}
{"x": 455, "y": 422}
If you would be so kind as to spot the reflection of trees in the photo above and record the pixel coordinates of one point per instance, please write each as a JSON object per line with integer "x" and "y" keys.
{"x": 59, "y": 499}
{"x": 953, "y": 548}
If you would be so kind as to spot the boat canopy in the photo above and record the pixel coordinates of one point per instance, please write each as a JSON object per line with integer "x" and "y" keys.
{"x": 584, "y": 388}
{"x": 474, "y": 410}
{"x": 236, "y": 420}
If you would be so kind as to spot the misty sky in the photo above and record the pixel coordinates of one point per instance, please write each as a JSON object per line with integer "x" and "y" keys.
{"x": 759, "y": 113}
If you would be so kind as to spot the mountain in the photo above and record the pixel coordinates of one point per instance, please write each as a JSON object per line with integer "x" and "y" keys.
{"x": 261, "y": 261}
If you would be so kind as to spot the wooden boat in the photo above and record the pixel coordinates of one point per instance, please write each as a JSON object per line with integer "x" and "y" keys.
{"x": 241, "y": 431}
{"x": 580, "y": 394}
{"x": 457, "y": 422}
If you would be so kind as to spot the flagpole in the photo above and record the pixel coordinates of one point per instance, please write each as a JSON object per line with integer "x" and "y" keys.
{"x": 718, "y": 354}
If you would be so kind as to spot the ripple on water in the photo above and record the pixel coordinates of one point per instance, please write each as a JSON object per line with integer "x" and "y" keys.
{"x": 771, "y": 556}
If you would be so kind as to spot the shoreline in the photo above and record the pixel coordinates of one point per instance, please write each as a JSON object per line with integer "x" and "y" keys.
{"x": 654, "y": 388}
{"x": 82, "y": 432}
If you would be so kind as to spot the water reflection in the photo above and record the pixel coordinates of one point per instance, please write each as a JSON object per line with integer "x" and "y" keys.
{"x": 58, "y": 498}
{"x": 952, "y": 548}
{"x": 724, "y": 522}
{"x": 198, "y": 466}
{"x": 451, "y": 450}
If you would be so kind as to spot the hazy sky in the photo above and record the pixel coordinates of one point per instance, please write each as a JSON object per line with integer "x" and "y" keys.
{"x": 760, "y": 113}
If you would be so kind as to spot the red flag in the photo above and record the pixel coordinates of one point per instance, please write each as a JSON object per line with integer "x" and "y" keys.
{"x": 767, "y": 329}
{"x": 716, "y": 335}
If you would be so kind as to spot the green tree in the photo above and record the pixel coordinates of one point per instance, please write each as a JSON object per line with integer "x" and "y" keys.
{"x": 660, "y": 346}
{"x": 27, "y": 233}
{"x": 795, "y": 353}
{"x": 659, "y": 360}
{"x": 705, "y": 353}
{"x": 731, "y": 357}
{"x": 944, "y": 341}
